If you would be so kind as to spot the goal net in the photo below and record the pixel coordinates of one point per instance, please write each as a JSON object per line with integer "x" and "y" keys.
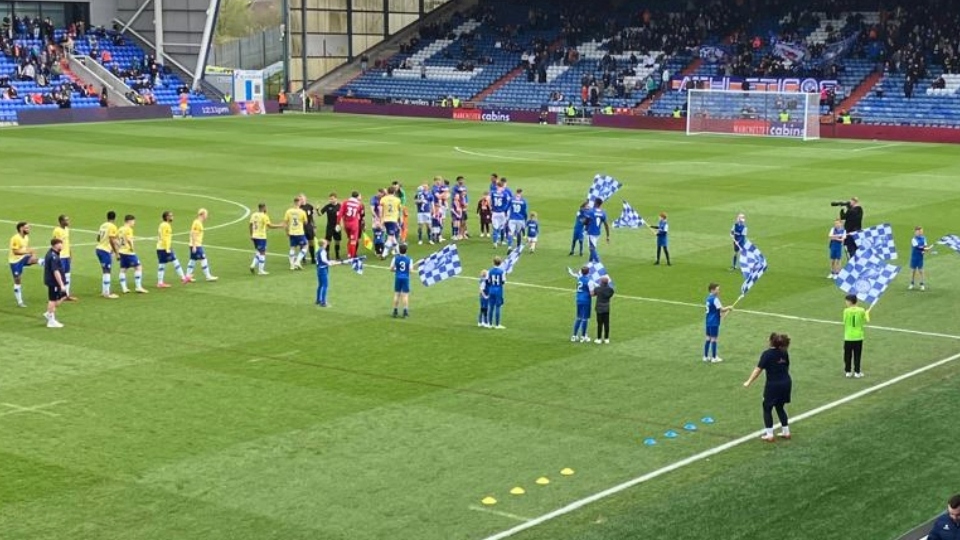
{"x": 744, "y": 112}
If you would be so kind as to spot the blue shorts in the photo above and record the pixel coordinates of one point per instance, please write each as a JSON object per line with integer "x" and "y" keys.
{"x": 494, "y": 299}
{"x": 17, "y": 268}
{"x": 736, "y": 245}
{"x": 260, "y": 244}
{"x": 298, "y": 240}
{"x": 916, "y": 263}
{"x": 401, "y": 285}
{"x": 484, "y": 302}
{"x": 166, "y": 256}
{"x": 836, "y": 252}
{"x": 583, "y": 310}
{"x": 661, "y": 241}
{"x": 129, "y": 261}
{"x": 392, "y": 228}
{"x": 197, "y": 254}
{"x": 65, "y": 265}
{"x": 106, "y": 259}
{"x": 713, "y": 331}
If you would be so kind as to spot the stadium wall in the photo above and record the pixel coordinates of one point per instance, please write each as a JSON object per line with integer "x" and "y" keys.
{"x": 33, "y": 117}
{"x": 364, "y": 106}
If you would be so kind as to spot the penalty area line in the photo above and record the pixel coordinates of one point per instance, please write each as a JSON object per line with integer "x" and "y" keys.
{"x": 507, "y": 515}
{"x": 709, "y": 453}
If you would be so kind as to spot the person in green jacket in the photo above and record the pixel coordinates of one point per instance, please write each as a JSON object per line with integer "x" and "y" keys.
{"x": 854, "y": 320}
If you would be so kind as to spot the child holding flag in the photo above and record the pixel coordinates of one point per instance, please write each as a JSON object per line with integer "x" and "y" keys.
{"x": 919, "y": 249}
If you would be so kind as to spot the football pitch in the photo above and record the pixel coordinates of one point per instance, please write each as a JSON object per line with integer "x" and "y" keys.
{"x": 240, "y": 410}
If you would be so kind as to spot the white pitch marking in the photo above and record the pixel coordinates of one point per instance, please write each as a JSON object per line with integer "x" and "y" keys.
{"x": 35, "y": 409}
{"x": 657, "y": 301}
{"x": 875, "y": 147}
{"x": 508, "y": 515}
{"x": 709, "y": 453}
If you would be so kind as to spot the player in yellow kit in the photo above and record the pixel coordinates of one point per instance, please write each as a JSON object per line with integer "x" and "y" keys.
{"x": 196, "y": 247}
{"x": 62, "y": 232}
{"x": 259, "y": 225}
{"x": 106, "y": 250}
{"x": 128, "y": 256}
{"x": 20, "y": 257}
{"x": 165, "y": 254}
{"x": 294, "y": 220}
{"x": 390, "y": 214}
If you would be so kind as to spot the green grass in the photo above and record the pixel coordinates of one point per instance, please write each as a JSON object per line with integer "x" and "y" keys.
{"x": 239, "y": 410}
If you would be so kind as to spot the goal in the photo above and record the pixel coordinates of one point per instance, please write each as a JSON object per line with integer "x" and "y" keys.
{"x": 792, "y": 115}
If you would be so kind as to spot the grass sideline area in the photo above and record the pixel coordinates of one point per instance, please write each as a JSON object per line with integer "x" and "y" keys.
{"x": 240, "y": 410}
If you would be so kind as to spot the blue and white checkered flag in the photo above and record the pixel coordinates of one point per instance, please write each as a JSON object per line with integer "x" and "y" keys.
{"x": 629, "y": 218}
{"x": 952, "y": 241}
{"x": 357, "y": 264}
{"x": 867, "y": 276}
{"x": 878, "y": 239}
{"x": 512, "y": 259}
{"x": 597, "y": 271}
{"x": 753, "y": 264}
{"x": 441, "y": 265}
{"x": 603, "y": 188}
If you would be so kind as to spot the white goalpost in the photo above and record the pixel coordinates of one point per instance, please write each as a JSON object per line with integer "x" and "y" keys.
{"x": 793, "y": 115}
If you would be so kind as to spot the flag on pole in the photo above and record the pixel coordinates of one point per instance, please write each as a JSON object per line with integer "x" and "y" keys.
{"x": 878, "y": 239}
{"x": 441, "y": 265}
{"x": 603, "y": 188}
{"x": 597, "y": 271}
{"x": 952, "y": 241}
{"x": 753, "y": 264}
{"x": 867, "y": 276}
{"x": 512, "y": 259}
{"x": 629, "y": 218}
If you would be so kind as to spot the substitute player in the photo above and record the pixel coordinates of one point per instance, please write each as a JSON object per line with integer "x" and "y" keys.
{"x": 196, "y": 247}
{"x": 165, "y": 254}
{"x": 390, "y": 217}
{"x": 128, "y": 256}
{"x": 20, "y": 257}
{"x": 54, "y": 279}
{"x": 106, "y": 251}
{"x": 62, "y": 232}
{"x": 349, "y": 219}
{"x": 919, "y": 248}
{"x": 584, "y": 299}
{"x": 295, "y": 220}
{"x": 401, "y": 267}
{"x": 715, "y": 311}
{"x": 259, "y": 225}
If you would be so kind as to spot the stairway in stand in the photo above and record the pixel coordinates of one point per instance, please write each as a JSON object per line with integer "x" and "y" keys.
{"x": 860, "y": 91}
{"x": 644, "y": 106}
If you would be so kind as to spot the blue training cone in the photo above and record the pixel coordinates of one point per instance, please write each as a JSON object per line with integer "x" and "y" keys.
{"x": 707, "y": 420}
{"x": 670, "y": 434}
{"x": 690, "y": 426}
{"x": 650, "y": 441}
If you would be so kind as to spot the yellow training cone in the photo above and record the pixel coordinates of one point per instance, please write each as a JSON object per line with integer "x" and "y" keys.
{"x": 567, "y": 472}
{"x": 489, "y": 501}
{"x": 517, "y": 491}
{"x": 543, "y": 480}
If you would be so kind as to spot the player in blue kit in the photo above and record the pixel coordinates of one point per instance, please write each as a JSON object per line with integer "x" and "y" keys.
{"x": 533, "y": 231}
{"x": 584, "y": 297}
{"x": 496, "y": 278}
{"x": 596, "y": 217}
{"x": 715, "y": 311}
{"x": 483, "y": 320}
{"x": 739, "y": 235}
{"x": 837, "y": 236}
{"x": 401, "y": 267}
{"x": 323, "y": 273}
{"x": 424, "y": 203}
{"x": 500, "y": 204}
{"x": 579, "y": 227}
{"x": 918, "y": 249}
{"x": 517, "y": 219}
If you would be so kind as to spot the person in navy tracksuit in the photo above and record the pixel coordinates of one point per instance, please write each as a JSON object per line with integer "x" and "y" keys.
{"x": 947, "y": 526}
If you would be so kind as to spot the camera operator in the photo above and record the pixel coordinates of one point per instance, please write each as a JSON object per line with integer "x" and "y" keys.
{"x": 852, "y": 215}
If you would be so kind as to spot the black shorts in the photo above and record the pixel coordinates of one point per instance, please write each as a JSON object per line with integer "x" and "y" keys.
{"x": 333, "y": 235}
{"x": 777, "y": 394}
{"x": 310, "y": 231}
{"x": 55, "y": 293}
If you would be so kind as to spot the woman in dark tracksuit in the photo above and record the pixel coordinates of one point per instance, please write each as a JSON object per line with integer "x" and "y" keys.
{"x": 603, "y": 292}
{"x": 776, "y": 393}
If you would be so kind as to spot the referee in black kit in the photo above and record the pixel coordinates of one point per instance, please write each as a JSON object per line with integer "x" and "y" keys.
{"x": 852, "y": 216}
{"x": 53, "y": 279}
{"x": 309, "y": 228}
